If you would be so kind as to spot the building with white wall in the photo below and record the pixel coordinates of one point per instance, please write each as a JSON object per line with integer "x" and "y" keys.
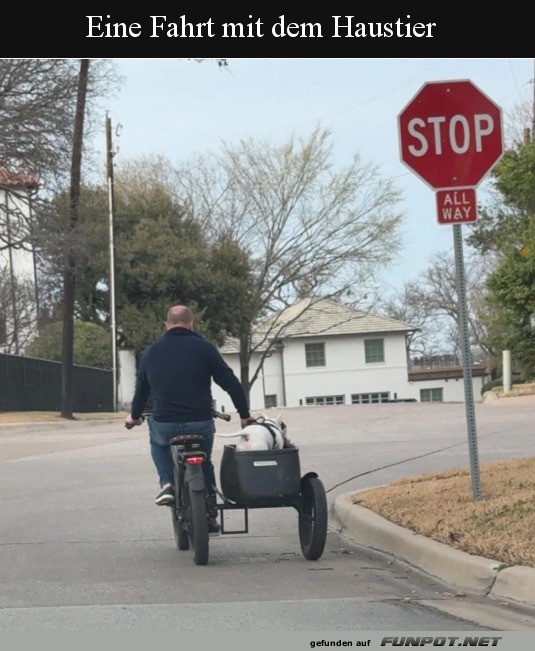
{"x": 18, "y": 296}
{"x": 445, "y": 383}
{"x": 326, "y": 353}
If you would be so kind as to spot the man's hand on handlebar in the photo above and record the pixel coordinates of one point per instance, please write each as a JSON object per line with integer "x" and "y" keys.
{"x": 132, "y": 422}
{"x": 244, "y": 421}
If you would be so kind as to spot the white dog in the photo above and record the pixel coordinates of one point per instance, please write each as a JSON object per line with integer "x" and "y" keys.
{"x": 265, "y": 434}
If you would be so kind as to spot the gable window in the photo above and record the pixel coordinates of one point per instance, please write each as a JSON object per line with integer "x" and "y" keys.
{"x": 315, "y": 355}
{"x": 374, "y": 350}
{"x": 432, "y": 395}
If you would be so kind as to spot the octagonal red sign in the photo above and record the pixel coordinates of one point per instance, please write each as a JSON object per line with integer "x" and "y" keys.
{"x": 450, "y": 134}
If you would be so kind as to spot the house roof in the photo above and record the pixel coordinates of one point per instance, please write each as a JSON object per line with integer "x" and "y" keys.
{"x": 312, "y": 317}
{"x": 320, "y": 318}
{"x": 445, "y": 373}
{"x": 10, "y": 180}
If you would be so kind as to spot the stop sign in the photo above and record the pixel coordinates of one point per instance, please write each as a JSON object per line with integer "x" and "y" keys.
{"x": 450, "y": 134}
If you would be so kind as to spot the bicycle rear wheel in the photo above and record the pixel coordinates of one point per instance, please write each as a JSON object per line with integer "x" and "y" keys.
{"x": 197, "y": 525}
{"x": 177, "y": 515}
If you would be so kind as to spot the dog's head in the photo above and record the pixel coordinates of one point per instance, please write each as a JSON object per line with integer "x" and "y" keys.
{"x": 275, "y": 420}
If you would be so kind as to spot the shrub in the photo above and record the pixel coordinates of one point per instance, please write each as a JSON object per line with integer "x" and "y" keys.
{"x": 499, "y": 383}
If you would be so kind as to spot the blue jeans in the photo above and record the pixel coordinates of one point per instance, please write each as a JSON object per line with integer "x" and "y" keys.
{"x": 159, "y": 435}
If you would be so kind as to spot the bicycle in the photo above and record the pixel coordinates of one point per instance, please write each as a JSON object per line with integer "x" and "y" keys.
{"x": 189, "y": 510}
{"x": 249, "y": 479}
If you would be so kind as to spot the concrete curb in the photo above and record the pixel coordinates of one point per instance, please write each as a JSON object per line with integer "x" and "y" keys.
{"x": 516, "y": 583}
{"x": 455, "y": 567}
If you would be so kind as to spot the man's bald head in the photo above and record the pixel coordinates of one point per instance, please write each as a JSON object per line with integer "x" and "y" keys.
{"x": 179, "y": 316}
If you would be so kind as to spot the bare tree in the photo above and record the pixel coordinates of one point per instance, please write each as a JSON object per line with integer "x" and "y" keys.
{"x": 16, "y": 224}
{"x": 70, "y": 269}
{"x": 431, "y": 303}
{"x": 47, "y": 112}
{"x": 17, "y": 257}
{"x": 310, "y": 230}
{"x": 34, "y": 133}
{"x": 515, "y": 120}
{"x": 17, "y": 312}
{"x": 407, "y": 306}
{"x": 37, "y": 109}
{"x": 37, "y": 113}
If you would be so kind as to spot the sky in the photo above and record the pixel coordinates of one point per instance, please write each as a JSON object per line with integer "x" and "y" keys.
{"x": 179, "y": 108}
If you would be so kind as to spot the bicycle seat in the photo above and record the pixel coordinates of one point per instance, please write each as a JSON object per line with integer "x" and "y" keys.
{"x": 183, "y": 438}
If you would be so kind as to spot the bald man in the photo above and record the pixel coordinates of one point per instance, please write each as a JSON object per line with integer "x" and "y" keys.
{"x": 178, "y": 368}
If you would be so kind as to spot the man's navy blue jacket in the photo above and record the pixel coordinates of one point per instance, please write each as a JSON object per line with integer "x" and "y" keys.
{"x": 178, "y": 369}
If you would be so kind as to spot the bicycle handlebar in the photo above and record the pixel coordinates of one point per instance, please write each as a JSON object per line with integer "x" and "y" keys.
{"x": 218, "y": 414}
{"x": 215, "y": 414}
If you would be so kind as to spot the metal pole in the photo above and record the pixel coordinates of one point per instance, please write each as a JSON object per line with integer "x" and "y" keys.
{"x": 507, "y": 375}
{"x": 467, "y": 362}
{"x": 113, "y": 325}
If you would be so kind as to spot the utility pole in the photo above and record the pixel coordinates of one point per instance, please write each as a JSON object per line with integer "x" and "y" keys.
{"x": 113, "y": 326}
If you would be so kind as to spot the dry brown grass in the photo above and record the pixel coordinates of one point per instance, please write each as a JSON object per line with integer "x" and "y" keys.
{"x": 501, "y": 526}
{"x": 526, "y": 389}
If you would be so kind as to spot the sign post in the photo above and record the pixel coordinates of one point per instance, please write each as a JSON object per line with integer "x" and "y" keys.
{"x": 450, "y": 135}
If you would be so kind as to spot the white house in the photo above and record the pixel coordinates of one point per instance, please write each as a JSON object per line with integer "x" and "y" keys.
{"x": 326, "y": 353}
{"x": 18, "y": 313}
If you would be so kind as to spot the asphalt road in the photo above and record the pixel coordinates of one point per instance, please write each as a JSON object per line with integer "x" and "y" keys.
{"x": 82, "y": 546}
